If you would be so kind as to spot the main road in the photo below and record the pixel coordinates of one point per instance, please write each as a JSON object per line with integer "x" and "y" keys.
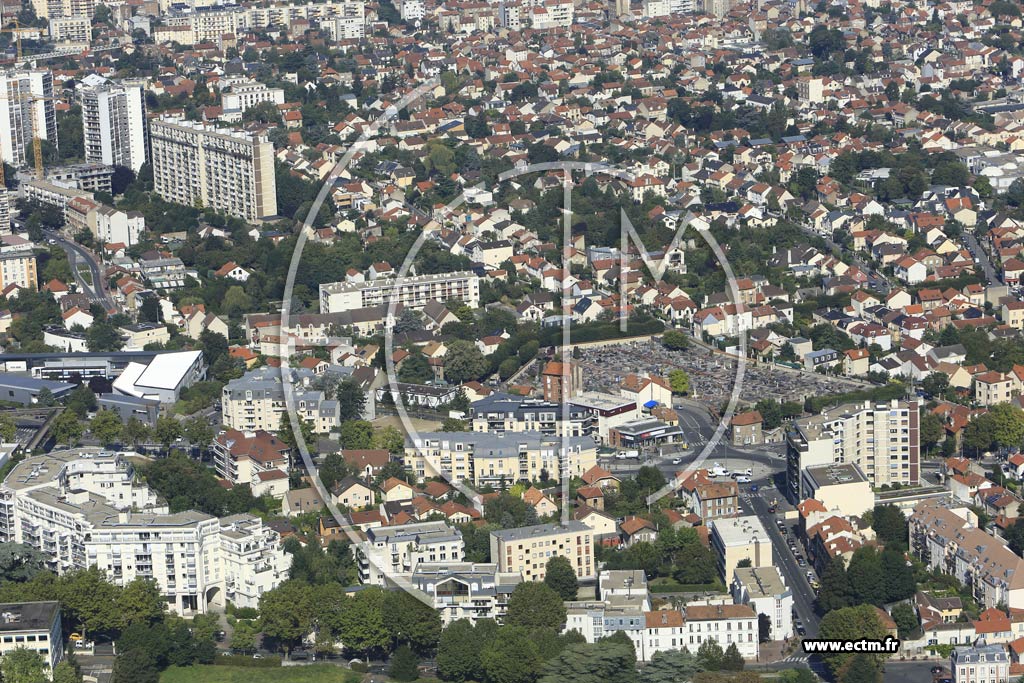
{"x": 77, "y": 254}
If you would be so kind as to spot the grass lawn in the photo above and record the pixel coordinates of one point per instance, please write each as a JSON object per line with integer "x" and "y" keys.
{"x": 314, "y": 673}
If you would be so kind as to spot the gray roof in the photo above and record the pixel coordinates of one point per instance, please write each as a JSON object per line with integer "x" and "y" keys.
{"x": 538, "y": 530}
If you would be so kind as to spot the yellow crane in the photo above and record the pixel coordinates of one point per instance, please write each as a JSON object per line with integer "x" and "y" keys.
{"x": 17, "y": 30}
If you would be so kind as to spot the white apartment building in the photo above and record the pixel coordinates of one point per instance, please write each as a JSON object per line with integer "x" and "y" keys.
{"x": 882, "y": 439}
{"x": 740, "y": 538}
{"x": 484, "y": 459}
{"x": 51, "y": 9}
{"x": 393, "y": 550}
{"x": 527, "y": 550}
{"x": 228, "y": 170}
{"x": 256, "y": 402}
{"x": 657, "y": 8}
{"x": 114, "y": 226}
{"x": 242, "y": 96}
{"x": 84, "y": 508}
{"x": 466, "y": 590}
{"x": 17, "y": 262}
{"x": 113, "y": 122}
{"x": 24, "y": 113}
{"x": 350, "y": 25}
{"x": 34, "y": 626}
{"x": 411, "y": 10}
{"x": 764, "y": 589}
{"x": 726, "y": 624}
{"x": 415, "y": 291}
{"x": 71, "y": 30}
{"x": 980, "y": 663}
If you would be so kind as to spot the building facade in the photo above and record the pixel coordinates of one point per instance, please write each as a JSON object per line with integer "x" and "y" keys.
{"x": 114, "y": 122}
{"x": 26, "y": 111}
{"x": 393, "y": 550}
{"x": 527, "y": 550}
{"x": 226, "y": 170}
{"x": 415, "y": 291}
{"x": 466, "y": 590}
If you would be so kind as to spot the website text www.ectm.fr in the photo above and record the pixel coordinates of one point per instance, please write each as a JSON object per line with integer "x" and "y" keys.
{"x": 889, "y": 645}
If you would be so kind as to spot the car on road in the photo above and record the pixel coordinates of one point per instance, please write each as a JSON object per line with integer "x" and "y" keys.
{"x": 799, "y": 625}
{"x": 676, "y": 461}
{"x": 937, "y": 670}
{"x": 754, "y": 488}
{"x": 743, "y": 480}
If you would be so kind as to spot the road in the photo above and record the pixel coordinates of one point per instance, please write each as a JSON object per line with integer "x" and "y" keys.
{"x": 982, "y": 259}
{"x": 78, "y": 255}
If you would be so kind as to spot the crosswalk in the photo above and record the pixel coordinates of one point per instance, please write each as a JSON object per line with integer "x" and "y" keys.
{"x": 795, "y": 658}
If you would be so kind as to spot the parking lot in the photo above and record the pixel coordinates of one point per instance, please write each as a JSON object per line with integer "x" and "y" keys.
{"x": 711, "y": 375}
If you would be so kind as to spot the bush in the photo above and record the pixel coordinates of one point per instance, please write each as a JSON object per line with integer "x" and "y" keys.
{"x": 359, "y": 667}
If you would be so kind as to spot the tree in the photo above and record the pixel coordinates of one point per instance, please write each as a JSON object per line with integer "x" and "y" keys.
{"x": 167, "y": 431}
{"x": 675, "y": 340}
{"x": 106, "y": 427}
{"x": 932, "y": 430}
{"x": 135, "y": 666}
{"x": 862, "y": 668}
{"x": 415, "y": 369}
{"x": 679, "y": 381}
{"x": 361, "y": 623}
{"x": 351, "y": 400}
{"x": 23, "y": 666}
{"x": 134, "y": 432}
{"x": 103, "y": 336}
{"x": 411, "y": 622}
{"x": 935, "y": 384}
{"x": 141, "y": 602}
{"x": 458, "y": 651}
{"x": 286, "y": 613}
{"x": 764, "y": 628}
{"x": 671, "y": 666}
{"x": 890, "y": 525}
{"x": 1007, "y": 423}
{"x": 512, "y": 657}
{"x": 732, "y": 660}
{"x": 905, "y": 618}
{"x": 607, "y": 661}
{"x": 198, "y": 432}
{"x": 561, "y": 578}
{"x": 236, "y": 301}
{"x": 8, "y": 429}
{"x": 463, "y": 362}
{"x": 834, "y": 592}
{"x": 390, "y": 439}
{"x": 849, "y": 623}
{"x": 65, "y": 672}
{"x": 710, "y": 656}
{"x": 244, "y": 636}
{"x": 404, "y": 665}
{"x": 66, "y": 428}
{"x": 20, "y": 562}
{"x": 356, "y": 434}
{"x": 90, "y": 601}
{"x": 867, "y": 582}
{"x": 535, "y": 605}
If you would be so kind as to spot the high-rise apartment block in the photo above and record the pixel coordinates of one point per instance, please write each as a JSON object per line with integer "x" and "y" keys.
{"x": 113, "y": 122}
{"x": 882, "y": 439}
{"x": 25, "y": 112}
{"x": 227, "y": 170}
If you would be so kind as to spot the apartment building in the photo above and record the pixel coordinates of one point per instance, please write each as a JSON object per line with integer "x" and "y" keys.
{"x": 71, "y": 30}
{"x": 17, "y": 263}
{"x": 502, "y": 413}
{"x": 26, "y": 111}
{"x": 725, "y": 624}
{"x": 527, "y": 550}
{"x": 51, "y": 9}
{"x": 350, "y": 25}
{"x": 466, "y": 590}
{"x": 882, "y": 439}
{"x": 392, "y": 550}
{"x": 842, "y": 488}
{"x": 34, "y": 626}
{"x": 256, "y": 401}
{"x": 764, "y": 589}
{"x": 83, "y": 508}
{"x": 483, "y": 459}
{"x": 113, "y": 122}
{"x": 948, "y": 539}
{"x": 738, "y": 539}
{"x": 258, "y": 459}
{"x": 415, "y": 291}
{"x": 980, "y": 663}
{"x": 228, "y": 170}
{"x": 242, "y": 96}
{"x": 994, "y": 387}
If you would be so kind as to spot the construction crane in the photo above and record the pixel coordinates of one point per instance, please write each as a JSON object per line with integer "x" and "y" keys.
{"x": 18, "y": 30}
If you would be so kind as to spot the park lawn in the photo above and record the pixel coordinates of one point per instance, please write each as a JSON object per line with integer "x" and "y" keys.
{"x": 313, "y": 673}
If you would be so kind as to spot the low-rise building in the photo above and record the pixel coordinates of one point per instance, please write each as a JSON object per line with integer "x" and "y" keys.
{"x": 737, "y": 539}
{"x": 258, "y": 459}
{"x": 467, "y": 590}
{"x": 764, "y": 589}
{"x": 527, "y": 550}
{"x": 34, "y": 626}
{"x": 726, "y": 624}
{"x": 841, "y": 487}
{"x": 980, "y": 663}
{"x": 392, "y": 550}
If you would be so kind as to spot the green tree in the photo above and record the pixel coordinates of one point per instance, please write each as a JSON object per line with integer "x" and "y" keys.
{"x": 103, "y": 336}
{"x": 834, "y": 593}
{"x": 390, "y": 439}
{"x": 198, "y": 432}
{"x": 404, "y": 665}
{"x": 511, "y": 657}
{"x": 561, "y": 577}
{"x": 458, "y": 651}
{"x": 905, "y": 618}
{"x": 411, "y": 622}
{"x": 236, "y": 301}
{"x": 463, "y": 362}
{"x": 535, "y": 605}
{"x": 245, "y": 635}
{"x": 23, "y": 666}
{"x": 1007, "y": 422}
{"x": 849, "y": 623}
{"x": 867, "y": 581}
{"x": 135, "y": 666}
{"x": 732, "y": 660}
{"x": 935, "y": 384}
{"x": 675, "y": 340}
{"x": 351, "y": 400}
{"x": 141, "y": 602}
{"x": 81, "y": 401}
{"x": 890, "y": 525}
{"x": 679, "y": 381}
{"x": 167, "y": 430}
{"x": 671, "y": 666}
{"x": 65, "y": 672}
{"x": 415, "y": 369}
{"x": 286, "y": 613}
{"x": 861, "y": 668}
{"x": 932, "y": 430}
{"x": 710, "y": 656}
{"x": 106, "y": 427}
{"x": 66, "y": 428}
{"x": 356, "y": 434}
{"x": 90, "y": 601}
{"x": 8, "y": 429}
{"x": 361, "y": 624}
{"x": 606, "y": 661}
{"x": 134, "y": 432}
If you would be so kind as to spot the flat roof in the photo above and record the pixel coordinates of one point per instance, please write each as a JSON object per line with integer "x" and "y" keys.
{"x": 167, "y": 371}
{"x": 28, "y": 616}
{"x": 832, "y": 475}
{"x": 539, "y": 530}
{"x": 739, "y": 530}
{"x": 761, "y": 582}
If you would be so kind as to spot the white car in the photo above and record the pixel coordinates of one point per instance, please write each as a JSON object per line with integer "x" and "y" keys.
{"x": 742, "y": 480}
{"x": 677, "y": 461}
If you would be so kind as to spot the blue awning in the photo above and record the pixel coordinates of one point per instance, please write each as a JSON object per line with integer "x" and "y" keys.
{"x": 650, "y": 404}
